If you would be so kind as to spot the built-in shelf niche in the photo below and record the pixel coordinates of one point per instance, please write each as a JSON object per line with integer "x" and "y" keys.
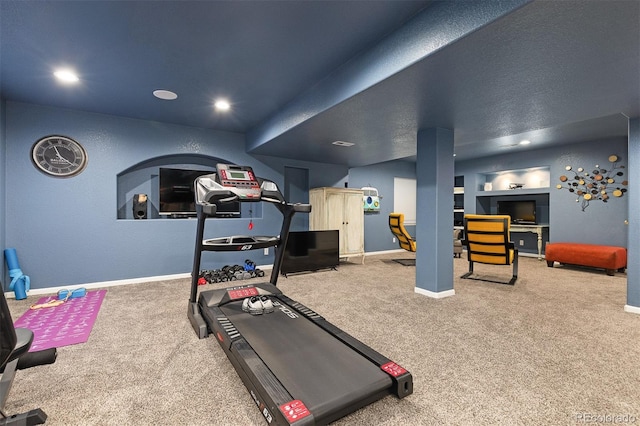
{"x": 458, "y": 201}
{"x": 514, "y": 180}
{"x": 143, "y": 178}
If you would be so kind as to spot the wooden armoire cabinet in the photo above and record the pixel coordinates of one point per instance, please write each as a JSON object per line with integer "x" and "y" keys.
{"x": 341, "y": 209}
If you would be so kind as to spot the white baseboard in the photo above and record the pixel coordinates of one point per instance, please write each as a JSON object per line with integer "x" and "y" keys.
{"x": 373, "y": 253}
{"x": 632, "y": 309}
{"x": 527, "y": 254}
{"x": 102, "y": 284}
{"x": 434, "y": 295}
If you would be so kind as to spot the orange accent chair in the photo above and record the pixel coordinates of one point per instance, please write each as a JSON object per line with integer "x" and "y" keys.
{"x": 406, "y": 241}
{"x": 396, "y": 224}
{"x": 488, "y": 241}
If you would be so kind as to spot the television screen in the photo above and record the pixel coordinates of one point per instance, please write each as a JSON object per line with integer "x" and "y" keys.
{"x": 311, "y": 251}
{"x": 177, "y": 196}
{"x": 522, "y": 212}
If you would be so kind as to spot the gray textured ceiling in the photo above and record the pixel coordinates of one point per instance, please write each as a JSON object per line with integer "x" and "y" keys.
{"x": 259, "y": 54}
{"x": 551, "y": 72}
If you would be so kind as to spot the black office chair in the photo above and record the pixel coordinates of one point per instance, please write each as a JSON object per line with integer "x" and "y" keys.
{"x": 15, "y": 355}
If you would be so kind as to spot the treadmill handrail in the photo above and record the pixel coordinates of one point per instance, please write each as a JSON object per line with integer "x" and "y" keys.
{"x": 302, "y": 208}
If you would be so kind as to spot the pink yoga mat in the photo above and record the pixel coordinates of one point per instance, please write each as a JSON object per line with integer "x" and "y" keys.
{"x": 63, "y": 325}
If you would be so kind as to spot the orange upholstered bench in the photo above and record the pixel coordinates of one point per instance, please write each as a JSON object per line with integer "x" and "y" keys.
{"x": 610, "y": 258}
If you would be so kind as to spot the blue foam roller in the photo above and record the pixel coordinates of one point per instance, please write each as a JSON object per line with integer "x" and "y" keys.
{"x": 20, "y": 290}
{"x": 11, "y": 256}
{"x": 20, "y": 283}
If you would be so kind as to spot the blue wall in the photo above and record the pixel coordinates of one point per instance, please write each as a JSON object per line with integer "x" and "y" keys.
{"x": 377, "y": 236}
{"x": 319, "y": 174}
{"x": 600, "y": 223}
{"x": 67, "y": 231}
{"x": 2, "y": 188}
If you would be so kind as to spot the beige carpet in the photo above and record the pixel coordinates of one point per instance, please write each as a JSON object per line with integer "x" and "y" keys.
{"x": 554, "y": 349}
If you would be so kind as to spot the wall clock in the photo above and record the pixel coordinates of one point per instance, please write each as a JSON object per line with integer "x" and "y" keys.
{"x": 59, "y": 156}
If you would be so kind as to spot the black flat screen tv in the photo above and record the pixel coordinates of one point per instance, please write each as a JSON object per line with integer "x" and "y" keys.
{"x": 522, "y": 212}
{"x": 177, "y": 196}
{"x": 311, "y": 251}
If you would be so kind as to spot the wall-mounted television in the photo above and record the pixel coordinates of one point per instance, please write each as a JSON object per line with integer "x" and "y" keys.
{"x": 177, "y": 196}
{"x": 522, "y": 212}
{"x": 311, "y": 251}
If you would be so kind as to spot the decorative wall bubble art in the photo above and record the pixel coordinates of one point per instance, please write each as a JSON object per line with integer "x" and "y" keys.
{"x": 600, "y": 184}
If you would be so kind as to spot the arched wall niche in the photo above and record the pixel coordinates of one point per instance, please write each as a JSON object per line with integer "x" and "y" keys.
{"x": 144, "y": 178}
{"x": 205, "y": 161}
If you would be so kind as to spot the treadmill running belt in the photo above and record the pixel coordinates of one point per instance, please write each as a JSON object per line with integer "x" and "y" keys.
{"x": 316, "y": 368}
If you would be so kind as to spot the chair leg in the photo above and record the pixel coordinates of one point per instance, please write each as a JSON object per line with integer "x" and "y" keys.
{"x": 470, "y": 271}
{"x": 515, "y": 270}
{"x": 6, "y": 381}
{"x": 32, "y": 417}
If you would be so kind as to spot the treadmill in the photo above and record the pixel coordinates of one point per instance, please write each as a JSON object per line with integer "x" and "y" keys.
{"x": 299, "y": 368}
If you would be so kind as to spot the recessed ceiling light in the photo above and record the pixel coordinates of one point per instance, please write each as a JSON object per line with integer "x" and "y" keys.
{"x": 343, "y": 143}
{"x": 166, "y": 95}
{"x": 525, "y": 142}
{"x": 66, "y": 76}
{"x": 222, "y": 105}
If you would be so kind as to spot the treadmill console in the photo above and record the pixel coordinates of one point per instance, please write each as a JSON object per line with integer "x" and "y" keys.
{"x": 240, "y": 180}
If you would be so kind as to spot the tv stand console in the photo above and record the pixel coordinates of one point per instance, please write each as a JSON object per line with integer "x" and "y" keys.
{"x": 536, "y": 229}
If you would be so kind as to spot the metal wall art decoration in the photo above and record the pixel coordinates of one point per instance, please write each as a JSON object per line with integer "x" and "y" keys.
{"x": 600, "y": 184}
